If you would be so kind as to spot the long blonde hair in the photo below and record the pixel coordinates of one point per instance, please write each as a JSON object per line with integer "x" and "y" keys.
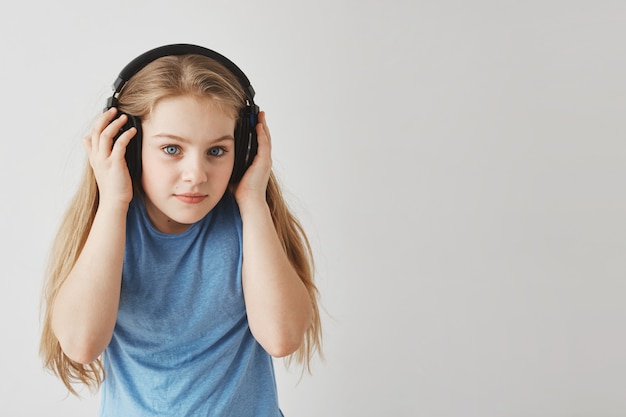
{"x": 165, "y": 77}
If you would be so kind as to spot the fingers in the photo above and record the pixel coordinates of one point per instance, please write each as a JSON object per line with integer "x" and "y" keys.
{"x": 263, "y": 126}
{"x": 109, "y": 131}
{"x": 263, "y": 135}
{"x": 263, "y": 158}
{"x": 119, "y": 147}
{"x": 98, "y": 127}
{"x": 104, "y": 130}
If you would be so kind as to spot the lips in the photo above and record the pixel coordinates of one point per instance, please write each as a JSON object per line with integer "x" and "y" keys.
{"x": 191, "y": 198}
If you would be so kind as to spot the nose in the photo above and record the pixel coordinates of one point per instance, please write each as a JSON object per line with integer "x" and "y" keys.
{"x": 194, "y": 170}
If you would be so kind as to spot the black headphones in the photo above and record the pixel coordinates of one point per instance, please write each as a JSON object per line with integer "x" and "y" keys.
{"x": 245, "y": 128}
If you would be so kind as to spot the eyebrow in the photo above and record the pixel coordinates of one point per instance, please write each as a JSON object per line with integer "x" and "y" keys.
{"x": 185, "y": 140}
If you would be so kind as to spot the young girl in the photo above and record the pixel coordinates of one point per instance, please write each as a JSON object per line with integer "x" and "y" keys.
{"x": 173, "y": 279}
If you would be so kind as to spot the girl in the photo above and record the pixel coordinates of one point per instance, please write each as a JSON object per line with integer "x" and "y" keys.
{"x": 173, "y": 276}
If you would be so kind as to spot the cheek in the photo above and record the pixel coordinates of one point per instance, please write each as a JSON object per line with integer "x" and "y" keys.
{"x": 228, "y": 171}
{"x": 224, "y": 168}
{"x": 153, "y": 173}
{"x": 219, "y": 178}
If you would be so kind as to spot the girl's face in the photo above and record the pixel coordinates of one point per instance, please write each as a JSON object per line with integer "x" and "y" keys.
{"x": 188, "y": 152}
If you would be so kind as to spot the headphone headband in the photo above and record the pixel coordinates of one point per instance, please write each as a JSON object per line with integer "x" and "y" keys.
{"x": 144, "y": 59}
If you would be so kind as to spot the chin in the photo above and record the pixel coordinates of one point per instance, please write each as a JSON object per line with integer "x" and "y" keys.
{"x": 190, "y": 218}
{"x": 174, "y": 217}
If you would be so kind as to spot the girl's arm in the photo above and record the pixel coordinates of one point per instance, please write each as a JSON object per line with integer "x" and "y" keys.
{"x": 85, "y": 309}
{"x": 277, "y": 302}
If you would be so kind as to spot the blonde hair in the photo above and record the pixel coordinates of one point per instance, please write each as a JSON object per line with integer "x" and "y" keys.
{"x": 165, "y": 77}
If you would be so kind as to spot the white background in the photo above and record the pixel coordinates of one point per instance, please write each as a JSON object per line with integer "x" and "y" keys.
{"x": 459, "y": 166}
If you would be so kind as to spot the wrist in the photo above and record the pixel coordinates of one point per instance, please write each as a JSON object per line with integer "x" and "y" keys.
{"x": 113, "y": 206}
{"x": 252, "y": 205}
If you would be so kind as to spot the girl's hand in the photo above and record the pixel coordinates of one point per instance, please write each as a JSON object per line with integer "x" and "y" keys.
{"x": 107, "y": 158}
{"x": 253, "y": 185}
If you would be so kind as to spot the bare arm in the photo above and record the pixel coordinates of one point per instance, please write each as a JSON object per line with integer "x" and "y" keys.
{"x": 277, "y": 302}
{"x": 85, "y": 309}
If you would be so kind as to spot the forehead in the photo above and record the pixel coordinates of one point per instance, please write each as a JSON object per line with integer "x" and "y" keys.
{"x": 189, "y": 116}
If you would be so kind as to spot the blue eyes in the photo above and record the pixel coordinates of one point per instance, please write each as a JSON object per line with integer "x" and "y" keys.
{"x": 216, "y": 151}
{"x": 173, "y": 150}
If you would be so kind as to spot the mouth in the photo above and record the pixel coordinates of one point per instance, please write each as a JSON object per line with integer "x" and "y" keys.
{"x": 191, "y": 198}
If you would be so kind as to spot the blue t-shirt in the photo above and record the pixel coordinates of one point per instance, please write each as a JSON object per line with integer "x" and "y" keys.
{"x": 182, "y": 345}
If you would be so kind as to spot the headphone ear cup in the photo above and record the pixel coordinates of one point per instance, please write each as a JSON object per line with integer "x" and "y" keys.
{"x": 245, "y": 142}
{"x": 133, "y": 150}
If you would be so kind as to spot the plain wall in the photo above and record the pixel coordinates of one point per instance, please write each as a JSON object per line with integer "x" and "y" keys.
{"x": 459, "y": 166}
